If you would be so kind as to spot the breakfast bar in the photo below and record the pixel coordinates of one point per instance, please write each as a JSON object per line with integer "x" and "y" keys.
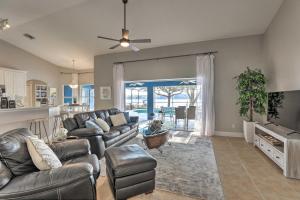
{"x": 21, "y": 117}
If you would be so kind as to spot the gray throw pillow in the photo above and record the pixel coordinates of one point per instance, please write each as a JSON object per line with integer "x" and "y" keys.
{"x": 126, "y": 115}
{"x": 92, "y": 124}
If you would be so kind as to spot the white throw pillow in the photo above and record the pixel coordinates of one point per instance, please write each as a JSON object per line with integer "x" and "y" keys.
{"x": 118, "y": 119}
{"x": 41, "y": 154}
{"x": 103, "y": 125}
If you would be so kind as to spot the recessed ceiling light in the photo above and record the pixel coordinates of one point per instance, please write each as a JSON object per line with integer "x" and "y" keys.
{"x": 27, "y": 35}
{"x": 4, "y": 24}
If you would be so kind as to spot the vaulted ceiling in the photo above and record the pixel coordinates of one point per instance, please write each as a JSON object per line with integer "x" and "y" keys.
{"x": 67, "y": 29}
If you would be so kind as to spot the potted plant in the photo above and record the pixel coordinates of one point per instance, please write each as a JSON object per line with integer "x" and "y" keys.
{"x": 252, "y": 98}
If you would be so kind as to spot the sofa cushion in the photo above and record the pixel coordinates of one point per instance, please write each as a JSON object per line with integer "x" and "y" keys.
{"x": 85, "y": 132}
{"x": 103, "y": 114}
{"x": 122, "y": 129}
{"x": 128, "y": 160}
{"x": 70, "y": 124}
{"x": 113, "y": 111}
{"x": 110, "y": 135}
{"x": 14, "y": 152}
{"x": 118, "y": 119}
{"x": 81, "y": 118}
{"x": 5, "y": 175}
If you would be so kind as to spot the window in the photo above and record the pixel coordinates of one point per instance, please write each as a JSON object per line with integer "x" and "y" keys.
{"x": 87, "y": 96}
{"x": 136, "y": 101}
{"x": 68, "y": 94}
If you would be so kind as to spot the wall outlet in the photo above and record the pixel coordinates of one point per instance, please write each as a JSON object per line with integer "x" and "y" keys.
{"x": 233, "y": 126}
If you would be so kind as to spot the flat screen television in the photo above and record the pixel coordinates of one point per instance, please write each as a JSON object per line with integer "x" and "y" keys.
{"x": 284, "y": 109}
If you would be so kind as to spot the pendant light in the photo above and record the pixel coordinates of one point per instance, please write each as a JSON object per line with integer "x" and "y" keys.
{"x": 74, "y": 82}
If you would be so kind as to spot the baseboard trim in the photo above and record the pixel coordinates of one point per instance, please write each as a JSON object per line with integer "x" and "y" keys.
{"x": 228, "y": 134}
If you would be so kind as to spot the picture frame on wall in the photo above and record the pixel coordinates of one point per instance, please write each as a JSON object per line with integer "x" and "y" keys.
{"x": 105, "y": 93}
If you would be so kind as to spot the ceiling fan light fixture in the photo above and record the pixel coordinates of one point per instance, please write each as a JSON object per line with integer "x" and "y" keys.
{"x": 124, "y": 43}
{"x": 4, "y": 24}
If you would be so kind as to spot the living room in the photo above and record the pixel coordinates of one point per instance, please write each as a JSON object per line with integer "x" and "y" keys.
{"x": 203, "y": 106}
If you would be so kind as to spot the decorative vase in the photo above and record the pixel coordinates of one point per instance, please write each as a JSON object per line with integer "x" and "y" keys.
{"x": 61, "y": 134}
{"x": 249, "y": 129}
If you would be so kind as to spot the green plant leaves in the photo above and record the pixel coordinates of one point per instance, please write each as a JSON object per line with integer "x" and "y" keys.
{"x": 252, "y": 92}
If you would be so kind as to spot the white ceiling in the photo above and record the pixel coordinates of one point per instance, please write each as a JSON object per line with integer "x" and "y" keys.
{"x": 67, "y": 29}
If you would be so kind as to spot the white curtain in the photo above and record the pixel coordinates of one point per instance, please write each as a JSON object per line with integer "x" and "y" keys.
{"x": 118, "y": 86}
{"x": 205, "y": 111}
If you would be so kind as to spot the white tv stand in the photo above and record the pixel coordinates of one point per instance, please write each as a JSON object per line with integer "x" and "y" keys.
{"x": 278, "y": 154}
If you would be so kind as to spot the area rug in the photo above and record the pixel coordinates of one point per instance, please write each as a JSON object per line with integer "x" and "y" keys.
{"x": 188, "y": 167}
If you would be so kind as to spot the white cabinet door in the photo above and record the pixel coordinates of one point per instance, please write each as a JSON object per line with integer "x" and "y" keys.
{"x": 20, "y": 84}
{"x": 2, "y": 82}
{"x": 9, "y": 83}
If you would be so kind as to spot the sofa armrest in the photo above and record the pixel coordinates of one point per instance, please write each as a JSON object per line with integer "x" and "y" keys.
{"x": 134, "y": 119}
{"x": 71, "y": 149}
{"x": 85, "y": 132}
{"x": 71, "y": 180}
{"x": 95, "y": 138}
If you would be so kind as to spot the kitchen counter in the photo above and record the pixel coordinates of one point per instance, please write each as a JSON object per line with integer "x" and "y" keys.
{"x": 21, "y": 117}
{"x": 24, "y": 109}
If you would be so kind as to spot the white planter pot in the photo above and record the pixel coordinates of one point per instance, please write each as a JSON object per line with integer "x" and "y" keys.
{"x": 249, "y": 128}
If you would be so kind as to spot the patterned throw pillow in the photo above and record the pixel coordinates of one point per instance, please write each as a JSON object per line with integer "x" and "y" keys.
{"x": 103, "y": 125}
{"x": 118, "y": 119}
{"x": 41, "y": 154}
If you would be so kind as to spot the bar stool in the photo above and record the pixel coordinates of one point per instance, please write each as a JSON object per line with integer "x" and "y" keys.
{"x": 37, "y": 127}
{"x": 58, "y": 119}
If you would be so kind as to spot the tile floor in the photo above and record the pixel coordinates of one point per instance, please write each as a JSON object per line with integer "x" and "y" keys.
{"x": 245, "y": 172}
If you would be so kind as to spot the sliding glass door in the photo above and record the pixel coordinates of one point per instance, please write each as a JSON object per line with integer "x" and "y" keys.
{"x": 136, "y": 101}
{"x": 149, "y": 99}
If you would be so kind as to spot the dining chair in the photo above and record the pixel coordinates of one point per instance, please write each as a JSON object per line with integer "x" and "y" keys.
{"x": 191, "y": 114}
{"x": 180, "y": 113}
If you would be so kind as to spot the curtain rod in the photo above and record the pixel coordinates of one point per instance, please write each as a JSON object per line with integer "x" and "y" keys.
{"x": 166, "y": 57}
{"x": 77, "y": 73}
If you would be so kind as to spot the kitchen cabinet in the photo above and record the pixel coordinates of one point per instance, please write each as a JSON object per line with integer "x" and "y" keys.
{"x": 1, "y": 77}
{"x": 20, "y": 84}
{"x": 14, "y": 81}
{"x": 9, "y": 83}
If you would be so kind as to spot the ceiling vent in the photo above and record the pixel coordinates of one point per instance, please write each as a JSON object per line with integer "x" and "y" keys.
{"x": 27, "y": 35}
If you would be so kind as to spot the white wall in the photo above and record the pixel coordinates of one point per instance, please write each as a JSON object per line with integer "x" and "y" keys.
{"x": 234, "y": 55}
{"x": 37, "y": 68}
{"x": 282, "y": 48}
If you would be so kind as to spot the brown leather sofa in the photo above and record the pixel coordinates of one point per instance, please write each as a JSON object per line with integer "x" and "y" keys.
{"x": 20, "y": 179}
{"x": 101, "y": 141}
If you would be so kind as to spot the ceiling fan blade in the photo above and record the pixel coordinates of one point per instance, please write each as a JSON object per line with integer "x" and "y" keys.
{"x": 106, "y": 38}
{"x": 141, "y": 41}
{"x": 134, "y": 48}
{"x": 115, "y": 46}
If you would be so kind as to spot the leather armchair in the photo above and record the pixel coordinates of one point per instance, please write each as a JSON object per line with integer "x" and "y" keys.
{"x": 22, "y": 180}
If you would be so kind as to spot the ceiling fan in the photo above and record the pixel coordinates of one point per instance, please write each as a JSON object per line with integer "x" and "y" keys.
{"x": 125, "y": 41}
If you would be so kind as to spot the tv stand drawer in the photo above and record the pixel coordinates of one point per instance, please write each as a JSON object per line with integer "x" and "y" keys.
{"x": 278, "y": 157}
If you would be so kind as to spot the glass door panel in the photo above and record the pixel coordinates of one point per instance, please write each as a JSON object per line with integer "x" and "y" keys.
{"x": 136, "y": 101}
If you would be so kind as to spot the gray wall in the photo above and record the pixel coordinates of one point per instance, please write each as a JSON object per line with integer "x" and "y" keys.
{"x": 282, "y": 48}
{"x": 233, "y": 57}
{"x": 37, "y": 68}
